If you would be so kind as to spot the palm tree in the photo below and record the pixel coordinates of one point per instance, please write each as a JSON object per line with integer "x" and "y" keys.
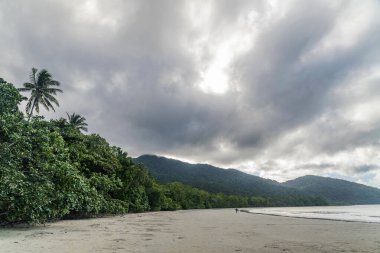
{"x": 42, "y": 88}
{"x": 77, "y": 121}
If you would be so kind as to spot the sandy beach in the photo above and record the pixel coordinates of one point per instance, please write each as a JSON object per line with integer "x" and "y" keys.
{"x": 220, "y": 231}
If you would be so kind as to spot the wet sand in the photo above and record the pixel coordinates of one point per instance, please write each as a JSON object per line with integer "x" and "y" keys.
{"x": 217, "y": 231}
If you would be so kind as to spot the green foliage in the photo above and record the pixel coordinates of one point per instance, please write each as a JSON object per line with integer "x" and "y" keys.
{"x": 45, "y": 168}
{"x": 10, "y": 98}
{"x": 38, "y": 182}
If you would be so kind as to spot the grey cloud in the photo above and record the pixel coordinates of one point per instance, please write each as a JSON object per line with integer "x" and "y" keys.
{"x": 366, "y": 168}
{"x": 273, "y": 78}
{"x": 130, "y": 69}
{"x": 321, "y": 166}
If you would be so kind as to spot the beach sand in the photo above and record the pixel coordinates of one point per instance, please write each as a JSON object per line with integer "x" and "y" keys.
{"x": 217, "y": 230}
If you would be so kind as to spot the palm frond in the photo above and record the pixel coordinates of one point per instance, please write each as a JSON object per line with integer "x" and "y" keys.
{"x": 54, "y": 83}
{"x": 45, "y": 104}
{"x": 83, "y": 128}
{"x": 51, "y": 98}
{"x": 27, "y": 87}
{"x": 43, "y": 78}
{"x": 49, "y": 103}
{"x": 23, "y": 89}
{"x": 32, "y": 76}
{"x": 53, "y": 90}
{"x": 28, "y": 106}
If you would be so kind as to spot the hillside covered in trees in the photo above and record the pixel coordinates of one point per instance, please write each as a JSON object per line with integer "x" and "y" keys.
{"x": 230, "y": 181}
{"x": 336, "y": 190}
{"x": 211, "y": 178}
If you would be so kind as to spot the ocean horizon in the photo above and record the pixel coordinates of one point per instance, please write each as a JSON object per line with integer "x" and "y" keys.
{"x": 353, "y": 213}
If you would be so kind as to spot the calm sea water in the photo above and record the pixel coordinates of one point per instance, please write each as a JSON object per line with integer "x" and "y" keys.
{"x": 363, "y": 213}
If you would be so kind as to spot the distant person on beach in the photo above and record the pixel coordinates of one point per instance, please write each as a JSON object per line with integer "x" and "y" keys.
{"x": 236, "y": 210}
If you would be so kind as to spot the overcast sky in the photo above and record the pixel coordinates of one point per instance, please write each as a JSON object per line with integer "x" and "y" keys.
{"x": 278, "y": 89}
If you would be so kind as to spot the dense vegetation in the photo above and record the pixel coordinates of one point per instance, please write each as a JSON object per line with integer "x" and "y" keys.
{"x": 336, "y": 191}
{"x": 50, "y": 170}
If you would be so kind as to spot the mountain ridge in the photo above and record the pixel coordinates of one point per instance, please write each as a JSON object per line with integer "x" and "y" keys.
{"x": 232, "y": 181}
{"x": 336, "y": 190}
{"x": 211, "y": 178}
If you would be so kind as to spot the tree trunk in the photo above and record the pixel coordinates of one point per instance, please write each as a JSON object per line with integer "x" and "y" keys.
{"x": 31, "y": 110}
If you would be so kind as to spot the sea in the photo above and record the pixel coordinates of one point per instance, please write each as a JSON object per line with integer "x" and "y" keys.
{"x": 358, "y": 213}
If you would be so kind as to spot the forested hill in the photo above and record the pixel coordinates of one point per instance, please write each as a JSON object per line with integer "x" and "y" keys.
{"x": 231, "y": 181}
{"x": 211, "y": 178}
{"x": 336, "y": 190}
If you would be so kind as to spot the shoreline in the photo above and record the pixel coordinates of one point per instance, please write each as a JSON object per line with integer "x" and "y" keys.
{"x": 189, "y": 231}
{"x": 308, "y": 218}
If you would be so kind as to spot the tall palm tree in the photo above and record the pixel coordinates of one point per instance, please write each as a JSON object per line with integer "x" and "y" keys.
{"x": 77, "y": 121}
{"x": 43, "y": 89}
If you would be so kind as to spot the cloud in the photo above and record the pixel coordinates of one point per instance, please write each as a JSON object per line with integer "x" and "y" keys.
{"x": 278, "y": 89}
{"x": 366, "y": 168}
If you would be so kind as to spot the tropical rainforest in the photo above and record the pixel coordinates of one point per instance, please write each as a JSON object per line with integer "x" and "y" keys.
{"x": 52, "y": 169}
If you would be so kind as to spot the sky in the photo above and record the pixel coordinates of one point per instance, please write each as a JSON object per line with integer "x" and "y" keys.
{"x": 277, "y": 89}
